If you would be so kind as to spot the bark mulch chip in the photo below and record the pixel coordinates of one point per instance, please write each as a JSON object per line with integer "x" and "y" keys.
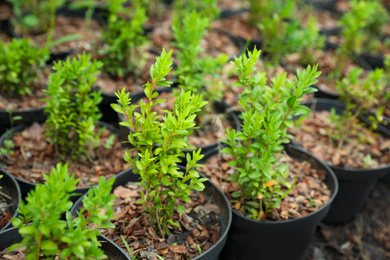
{"x": 315, "y": 135}
{"x": 33, "y": 155}
{"x": 199, "y": 227}
{"x": 309, "y": 194}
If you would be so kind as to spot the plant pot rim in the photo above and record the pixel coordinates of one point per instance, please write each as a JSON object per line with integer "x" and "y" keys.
{"x": 222, "y": 237}
{"x": 340, "y": 168}
{"x": 300, "y": 219}
{"x": 18, "y": 199}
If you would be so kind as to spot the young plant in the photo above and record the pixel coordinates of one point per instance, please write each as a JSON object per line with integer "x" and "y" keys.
{"x": 361, "y": 27}
{"x": 196, "y": 73}
{"x": 72, "y": 108}
{"x": 122, "y": 55}
{"x": 160, "y": 147}
{"x": 20, "y": 64}
{"x": 46, "y": 235}
{"x": 38, "y": 16}
{"x": 283, "y": 37}
{"x": 205, "y": 8}
{"x": 360, "y": 93}
{"x": 260, "y": 9}
{"x": 267, "y": 113}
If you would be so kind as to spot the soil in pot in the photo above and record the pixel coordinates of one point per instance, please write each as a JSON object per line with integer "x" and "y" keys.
{"x": 316, "y": 136}
{"x": 199, "y": 226}
{"x": 67, "y": 24}
{"x": 132, "y": 83}
{"x": 358, "y": 164}
{"x": 214, "y": 43}
{"x": 33, "y": 155}
{"x": 309, "y": 194}
{"x": 238, "y": 26}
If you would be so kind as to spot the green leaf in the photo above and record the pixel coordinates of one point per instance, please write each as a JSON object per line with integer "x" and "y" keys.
{"x": 181, "y": 209}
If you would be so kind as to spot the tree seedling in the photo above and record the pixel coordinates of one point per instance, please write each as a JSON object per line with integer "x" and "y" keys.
{"x": 361, "y": 27}
{"x": 267, "y": 113}
{"x": 124, "y": 35}
{"x": 360, "y": 93}
{"x": 285, "y": 34}
{"x": 195, "y": 73}
{"x": 160, "y": 146}
{"x": 20, "y": 64}
{"x": 72, "y": 111}
{"x": 46, "y": 235}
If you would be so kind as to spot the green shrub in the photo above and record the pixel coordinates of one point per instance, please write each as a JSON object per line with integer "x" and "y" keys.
{"x": 160, "y": 147}
{"x": 46, "y": 235}
{"x": 196, "y": 73}
{"x": 20, "y": 64}
{"x": 38, "y": 16}
{"x": 72, "y": 108}
{"x": 124, "y": 36}
{"x": 267, "y": 113}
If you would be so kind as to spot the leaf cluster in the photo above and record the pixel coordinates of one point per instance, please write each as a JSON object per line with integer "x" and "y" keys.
{"x": 267, "y": 114}
{"x": 196, "y": 73}
{"x": 360, "y": 93}
{"x": 260, "y": 9}
{"x": 285, "y": 34}
{"x": 205, "y": 8}
{"x": 124, "y": 35}
{"x": 160, "y": 146}
{"x": 46, "y": 235}
{"x": 20, "y": 64}
{"x": 72, "y": 108}
{"x": 361, "y": 27}
{"x": 33, "y": 16}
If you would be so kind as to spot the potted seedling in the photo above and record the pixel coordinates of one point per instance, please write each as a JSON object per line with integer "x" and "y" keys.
{"x": 362, "y": 27}
{"x": 42, "y": 232}
{"x": 283, "y": 35}
{"x": 122, "y": 52}
{"x": 22, "y": 80}
{"x": 271, "y": 218}
{"x": 166, "y": 191}
{"x": 200, "y": 74}
{"x": 364, "y": 18}
{"x": 357, "y": 154}
{"x": 70, "y": 133}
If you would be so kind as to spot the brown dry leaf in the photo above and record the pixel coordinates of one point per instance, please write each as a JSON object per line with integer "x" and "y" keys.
{"x": 123, "y": 192}
{"x": 178, "y": 249}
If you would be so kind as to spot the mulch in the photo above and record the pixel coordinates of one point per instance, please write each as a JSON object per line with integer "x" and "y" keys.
{"x": 315, "y": 135}
{"x": 199, "y": 226}
{"x": 296, "y": 204}
{"x": 33, "y": 155}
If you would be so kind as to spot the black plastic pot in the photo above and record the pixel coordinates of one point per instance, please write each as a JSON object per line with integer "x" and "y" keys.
{"x": 10, "y": 187}
{"x": 220, "y": 107}
{"x": 27, "y": 117}
{"x": 26, "y": 186}
{"x": 12, "y": 236}
{"x": 374, "y": 60}
{"x": 354, "y": 184}
{"x": 211, "y": 192}
{"x": 289, "y": 239}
